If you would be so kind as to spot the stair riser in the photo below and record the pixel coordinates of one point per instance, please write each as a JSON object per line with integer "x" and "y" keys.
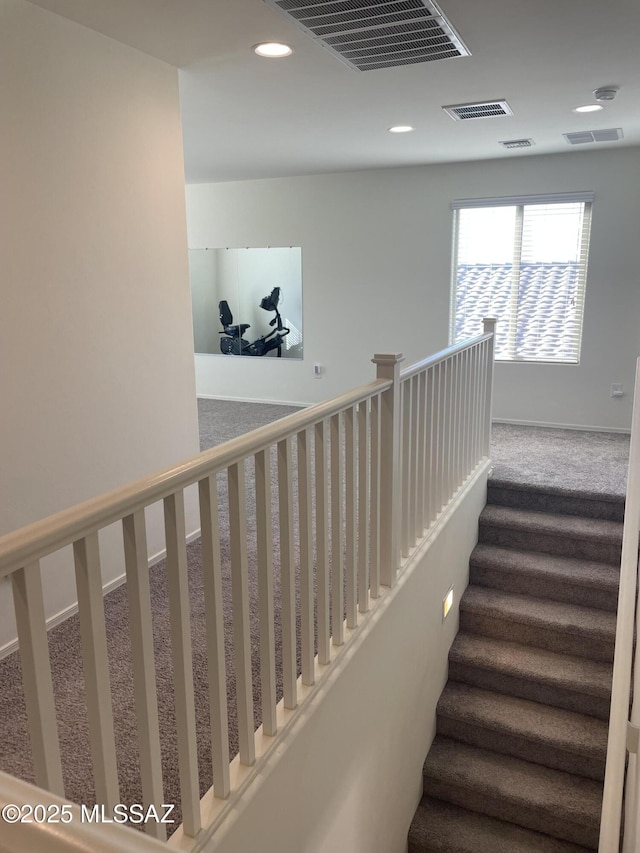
{"x": 518, "y": 813}
{"x": 564, "y": 546}
{"x": 520, "y": 747}
{"x": 525, "y": 688}
{"x": 524, "y": 583}
{"x": 564, "y": 505}
{"x": 532, "y": 635}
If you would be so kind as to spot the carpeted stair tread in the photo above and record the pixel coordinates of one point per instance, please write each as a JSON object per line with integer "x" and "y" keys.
{"x": 440, "y": 827}
{"x": 593, "y": 504}
{"x": 594, "y": 529}
{"x": 586, "y": 622}
{"x": 539, "y": 798}
{"x": 567, "y": 535}
{"x": 562, "y": 739}
{"x": 566, "y": 681}
{"x": 549, "y": 489}
{"x": 588, "y": 676}
{"x": 547, "y": 566}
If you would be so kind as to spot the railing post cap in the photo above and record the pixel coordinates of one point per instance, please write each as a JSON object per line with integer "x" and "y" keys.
{"x": 388, "y": 358}
{"x": 489, "y": 324}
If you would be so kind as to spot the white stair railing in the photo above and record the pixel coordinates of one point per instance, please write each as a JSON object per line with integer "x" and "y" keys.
{"x": 624, "y": 728}
{"x": 375, "y": 468}
{"x": 446, "y": 418}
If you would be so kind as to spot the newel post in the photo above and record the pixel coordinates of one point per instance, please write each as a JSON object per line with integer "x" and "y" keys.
{"x": 489, "y": 327}
{"x": 388, "y": 367}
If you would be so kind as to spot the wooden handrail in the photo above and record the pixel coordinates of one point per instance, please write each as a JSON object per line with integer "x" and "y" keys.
{"x": 444, "y": 354}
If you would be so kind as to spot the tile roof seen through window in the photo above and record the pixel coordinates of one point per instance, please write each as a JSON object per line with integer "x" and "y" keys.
{"x": 548, "y": 319}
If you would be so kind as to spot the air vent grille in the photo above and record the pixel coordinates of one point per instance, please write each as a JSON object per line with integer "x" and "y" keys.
{"x": 486, "y": 109}
{"x": 418, "y": 28}
{"x": 372, "y": 34}
{"x": 517, "y": 143}
{"x": 580, "y": 137}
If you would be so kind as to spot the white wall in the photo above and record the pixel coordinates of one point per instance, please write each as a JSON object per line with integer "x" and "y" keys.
{"x": 376, "y": 249}
{"x": 353, "y": 764}
{"x": 96, "y": 366}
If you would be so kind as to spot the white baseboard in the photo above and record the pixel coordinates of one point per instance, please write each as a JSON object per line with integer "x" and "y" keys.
{"x": 72, "y": 609}
{"x": 253, "y": 400}
{"x": 562, "y": 426}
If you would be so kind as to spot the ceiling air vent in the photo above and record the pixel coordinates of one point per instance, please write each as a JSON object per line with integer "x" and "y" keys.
{"x": 371, "y": 34}
{"x": 486, "y": 109}
{"x": 517, "y": 143}
{"x": 611, "y": 134}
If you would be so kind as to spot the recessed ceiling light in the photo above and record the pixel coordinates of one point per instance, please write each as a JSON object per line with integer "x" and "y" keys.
{"x": 401, "y": 128}
{"x": 588, "y": 108}
{"x": 273, "y": 49}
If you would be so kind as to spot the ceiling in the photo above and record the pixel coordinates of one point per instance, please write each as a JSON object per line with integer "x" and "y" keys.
{"x": 246, "y": 117}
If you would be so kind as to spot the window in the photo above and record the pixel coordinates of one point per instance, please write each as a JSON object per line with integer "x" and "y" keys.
{"x": 523, "y": 261}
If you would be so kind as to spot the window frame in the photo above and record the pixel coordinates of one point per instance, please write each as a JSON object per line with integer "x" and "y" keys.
{"x": 520, "y": 202}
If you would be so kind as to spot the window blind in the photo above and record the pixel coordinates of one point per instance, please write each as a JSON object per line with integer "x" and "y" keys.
{"x": 525, "y": 263}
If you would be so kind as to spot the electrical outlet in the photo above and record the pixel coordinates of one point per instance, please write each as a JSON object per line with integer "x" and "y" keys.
{"x": 617, "y": 389}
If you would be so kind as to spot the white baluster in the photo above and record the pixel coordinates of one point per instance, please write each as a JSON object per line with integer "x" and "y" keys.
{"x": 413, "y": 469}
{"x": 474, "y": 397}
{"x": 454, "y": 362}
{"x": 388, "y": 367}
{"x": 429, "y": 449}
{"x": 467, "y": 413}
{"x": 489, "y": 324}
{"x": 351, "y": 567}
{"x": 458, "y": 372}
{"x": 374, "y": 580}
{"x": 439, "y": 442}
{"x": 478, "y": 402}
{"x": 178, "y": 588}
{"x": 36, "y": 677}
{"x": 265, "y": 592}
{"x": 144, "y": 672}
{"x": 287, "y": 577}
{"x": 421, "y": 453}
{"x": 306, "y": 558}
{"x": 86, "y": 554}
{"x": 459, "y": 422}
{"x": 240, "y": 602}
{"x": 484, "y": 442}
{"x": 463, "y": 420}
{"x": 446, "y": 446}
{"x": 322, "y": 543}
{"x": 363, "y": 506}
{"x": 337, "y": 559}
{"x": 212, "y": 588}
{"x": 405, "y": 524}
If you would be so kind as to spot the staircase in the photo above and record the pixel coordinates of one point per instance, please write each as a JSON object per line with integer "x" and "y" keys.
{"x": 518, "y": 760}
